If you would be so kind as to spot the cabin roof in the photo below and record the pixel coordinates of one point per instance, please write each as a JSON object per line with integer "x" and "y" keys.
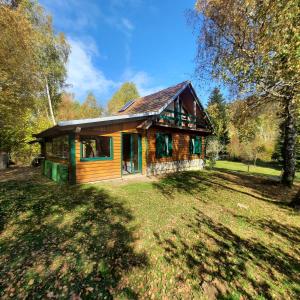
{"x": 140, "y": 108}
{"x": 154, "y": 102}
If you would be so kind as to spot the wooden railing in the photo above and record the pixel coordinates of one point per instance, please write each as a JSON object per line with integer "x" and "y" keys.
{"x": 181, "y": 119}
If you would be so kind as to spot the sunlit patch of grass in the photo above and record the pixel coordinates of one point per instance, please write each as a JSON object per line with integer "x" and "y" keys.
{"x": 268, "y": 170}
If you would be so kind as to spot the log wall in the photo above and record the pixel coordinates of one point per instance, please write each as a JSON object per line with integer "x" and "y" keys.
{"x": 89, "y": 171}
{"x": 181, "y": 158}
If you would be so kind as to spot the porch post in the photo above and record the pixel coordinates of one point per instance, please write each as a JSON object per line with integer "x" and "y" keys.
{"x": 72, "y": 159}
{"x": 195, "y": 111}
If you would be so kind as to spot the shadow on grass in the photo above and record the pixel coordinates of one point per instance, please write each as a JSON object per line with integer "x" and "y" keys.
{"x": 195, "y": 182}
{"x": 269, "y": 190}
{"x": 288, "y": 233}
{"x": 192, "y": 183}
{"x": 64, "y": 242}
{"x": 225, "y": 264}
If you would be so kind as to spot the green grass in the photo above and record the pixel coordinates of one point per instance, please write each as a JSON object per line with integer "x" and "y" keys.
{"x": 257, "y": 170}
{"x": 191, "y": 235}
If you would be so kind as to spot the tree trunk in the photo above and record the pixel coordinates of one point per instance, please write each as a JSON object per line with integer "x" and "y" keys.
{"x": 289, "y": 143}
{"x": 50, "y": 103}
{"x": 296, "y": 200}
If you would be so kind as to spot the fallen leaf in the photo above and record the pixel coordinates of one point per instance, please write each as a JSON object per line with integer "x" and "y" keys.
{"x": 31, "y": 282}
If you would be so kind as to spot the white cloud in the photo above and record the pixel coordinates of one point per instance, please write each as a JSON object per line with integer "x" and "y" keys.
{"x": 83, "y": 76}
{"x": 142, "y": 80}
{"x": 127, "y": 24}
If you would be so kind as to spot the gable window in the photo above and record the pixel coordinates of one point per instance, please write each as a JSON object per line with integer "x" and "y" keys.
{"x": 163, "y": 145}
{"x": 96, "y": 148}
{"x": 196, "y": 145}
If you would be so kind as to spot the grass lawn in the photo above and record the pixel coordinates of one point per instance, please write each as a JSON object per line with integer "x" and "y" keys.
{"x": 190, "y": 235}
{"x": 257, "y": 170}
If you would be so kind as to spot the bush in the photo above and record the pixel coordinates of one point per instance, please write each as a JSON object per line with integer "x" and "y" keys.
{"x": 213, "y": 148}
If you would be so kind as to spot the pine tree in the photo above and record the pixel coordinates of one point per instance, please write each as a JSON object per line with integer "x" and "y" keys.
{"x": 217, "y": 111}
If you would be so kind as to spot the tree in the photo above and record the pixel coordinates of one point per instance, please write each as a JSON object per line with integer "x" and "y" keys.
{"x": 68, "y": 108}
{"x": 32, "y": 61}
{"x": 18, "y": 67}
{"x": 278, "y": 151}
{"x": 213, "y": 148}
{"x": 126, "y": 92}
{"x": 52, "y": 54}
{"x": 252, "y": 135}
{"x": 217, "y": 111}
{"x": 254, "y": 45}
{"x": 71, "y": 109}
{"x": 90, "y": 107}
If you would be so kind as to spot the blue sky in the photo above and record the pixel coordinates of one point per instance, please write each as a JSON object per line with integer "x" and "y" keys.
{"x": 145, "y": 41}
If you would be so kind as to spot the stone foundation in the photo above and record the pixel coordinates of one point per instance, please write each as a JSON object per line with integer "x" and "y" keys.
{"x": 175, "y": 166}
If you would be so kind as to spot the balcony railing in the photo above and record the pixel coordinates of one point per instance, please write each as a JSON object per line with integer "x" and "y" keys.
{"x": 171, "y": 117}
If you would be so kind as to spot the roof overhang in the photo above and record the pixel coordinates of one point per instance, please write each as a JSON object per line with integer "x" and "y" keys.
{"x": 64, "y": 127}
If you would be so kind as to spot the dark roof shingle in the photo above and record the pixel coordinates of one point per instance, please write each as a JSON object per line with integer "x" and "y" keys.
{"x": 153, "y": 102}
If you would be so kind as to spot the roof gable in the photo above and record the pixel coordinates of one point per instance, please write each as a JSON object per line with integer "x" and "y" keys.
{"x": 154, "y": 102}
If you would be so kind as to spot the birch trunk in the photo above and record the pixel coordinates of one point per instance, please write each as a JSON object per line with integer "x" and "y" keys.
{"x": 50, "y": 103}
{"x": 290, "y": 135}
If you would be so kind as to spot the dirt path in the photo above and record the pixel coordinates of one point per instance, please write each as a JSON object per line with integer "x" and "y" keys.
{"x": 18, "y": 173}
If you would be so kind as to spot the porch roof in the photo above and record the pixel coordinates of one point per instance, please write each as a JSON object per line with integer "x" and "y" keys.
{"x": 71, "y": 125}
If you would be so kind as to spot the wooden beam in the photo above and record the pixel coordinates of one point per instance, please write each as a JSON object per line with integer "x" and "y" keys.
{"x": 184, "y": 128}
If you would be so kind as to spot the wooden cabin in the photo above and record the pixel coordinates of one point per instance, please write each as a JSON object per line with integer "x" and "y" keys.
{"x": 159, "y": 133}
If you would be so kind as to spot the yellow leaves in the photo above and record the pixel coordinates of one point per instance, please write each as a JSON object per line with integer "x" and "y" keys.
{"x": 90, "y": 289}
{"x": 31, "y": 282}
{"x": 57, "y": 263}
{"x": 127, "y": 91}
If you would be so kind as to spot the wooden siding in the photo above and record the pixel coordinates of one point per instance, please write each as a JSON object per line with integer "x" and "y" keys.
{"x": 180, "y": 142}
{"x": 89, "y": 171}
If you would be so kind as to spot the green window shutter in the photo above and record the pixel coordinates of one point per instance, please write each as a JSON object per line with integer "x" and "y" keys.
{"x": 192, "y": 144}
{"x": 170, "y": 144}
{"x": 197, "y": 145}
{"x": 159, "y": 145}
{"x": 200, "y": 144}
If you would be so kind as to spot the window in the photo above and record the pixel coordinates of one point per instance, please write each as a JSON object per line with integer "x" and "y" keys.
{"x": 95, "y": 148}
{"x": 196, "y": 145}
{"x": 58, "y": 147}
{"x": 163, "y": 145}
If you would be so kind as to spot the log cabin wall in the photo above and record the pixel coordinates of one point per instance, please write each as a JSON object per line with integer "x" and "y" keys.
{"x": 89, "y": 171}
{"x": 181, "y": 158}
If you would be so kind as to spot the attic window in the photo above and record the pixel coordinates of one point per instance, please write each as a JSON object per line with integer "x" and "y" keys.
{"x": 126, "y": 105}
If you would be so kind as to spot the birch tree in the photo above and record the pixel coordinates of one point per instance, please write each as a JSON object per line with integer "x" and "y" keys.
{"x": 254, "y": 45}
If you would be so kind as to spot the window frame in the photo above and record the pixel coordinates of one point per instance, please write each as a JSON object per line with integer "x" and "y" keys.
{"x": 163, "y": 154}
{"x": 98, "y": 158}
{"x": 50, "y": 154}
{"x": 193, "y": 150}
